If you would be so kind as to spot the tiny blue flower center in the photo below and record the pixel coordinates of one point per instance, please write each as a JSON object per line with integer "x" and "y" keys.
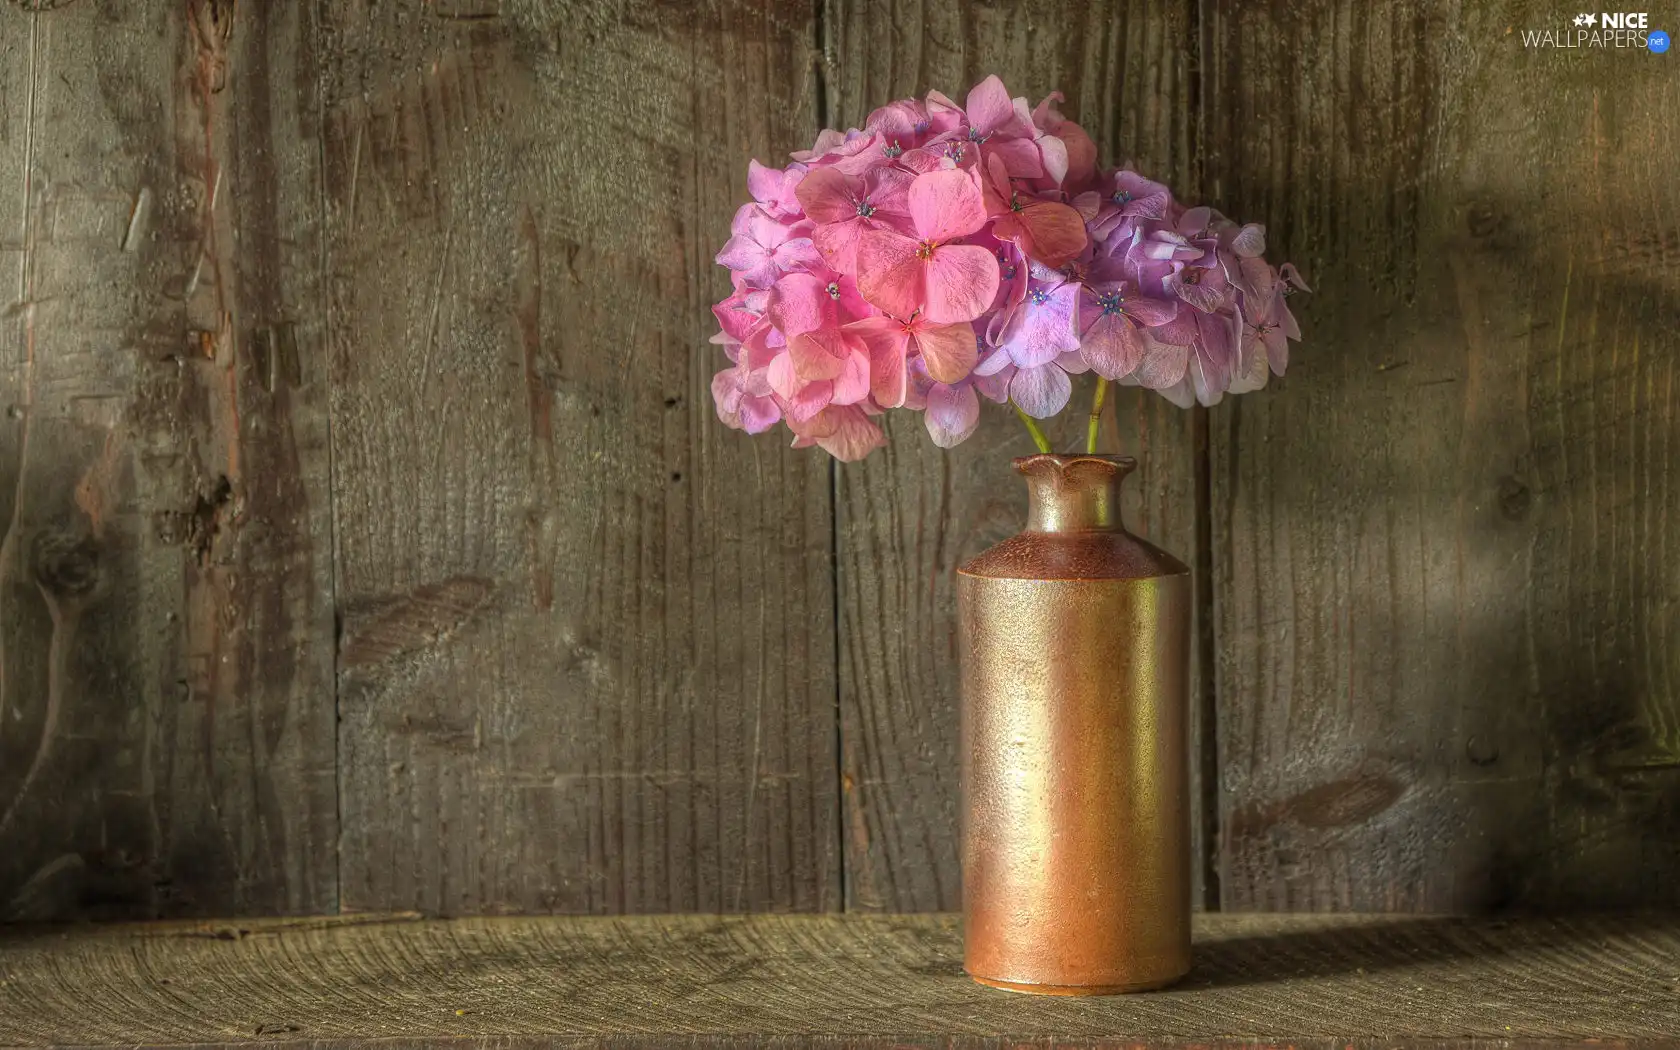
{"x": 923, "y": 125}
{"x": 1111, "y": 302}
{"x": 1191, "y": 277}
{"x": 892, "y": 149}
{"x": 1009, "y": 273}
{"x": 1015, "y": 201}
{"x": 975, "y": 136}
{"x": 865, "y": 209}
{"x": 1039, "y": 296}
{"x": 954, "y": 151}
{"x": 833, "y": 290}
{"x": 1121, "y": 197}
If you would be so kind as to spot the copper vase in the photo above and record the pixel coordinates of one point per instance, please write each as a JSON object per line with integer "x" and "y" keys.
{"x": 1075, "y": 651}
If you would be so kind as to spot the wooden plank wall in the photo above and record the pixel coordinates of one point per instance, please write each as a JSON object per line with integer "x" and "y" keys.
{"x": 588, "y": 654}
{"x": 371, "y": 542}
{"x": 166, "y": 595}
{"x": 1445, "y": 598}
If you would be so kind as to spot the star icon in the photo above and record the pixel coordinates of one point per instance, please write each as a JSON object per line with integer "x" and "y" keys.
{"x": 1592, "y": 20}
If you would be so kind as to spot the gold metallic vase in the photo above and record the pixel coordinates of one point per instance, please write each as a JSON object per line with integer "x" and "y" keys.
{"x": 1076, "y": 798}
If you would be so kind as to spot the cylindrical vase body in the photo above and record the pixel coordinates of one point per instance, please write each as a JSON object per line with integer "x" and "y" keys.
{"x": 1075, "y": 645}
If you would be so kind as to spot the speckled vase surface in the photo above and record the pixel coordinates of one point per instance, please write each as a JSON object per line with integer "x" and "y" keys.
{"x": 1075, "y": 645}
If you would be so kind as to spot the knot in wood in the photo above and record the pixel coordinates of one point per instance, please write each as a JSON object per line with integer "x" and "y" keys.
{"x": 64, "y": 564}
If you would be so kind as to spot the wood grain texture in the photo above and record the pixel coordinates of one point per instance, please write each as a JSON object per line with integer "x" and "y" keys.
{"x": 910, "y": 515}
{"x": 166, "y": 712}
{"x": 852, "y": 981}
{"x": 588, "y": 642}
{"x": 1445, "y": 593}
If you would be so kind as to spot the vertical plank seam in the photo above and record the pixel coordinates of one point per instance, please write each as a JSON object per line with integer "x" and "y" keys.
{"x": 825, "y": 118}
{"x": 1207, "y": 699}
{"x": 313, "y": 14}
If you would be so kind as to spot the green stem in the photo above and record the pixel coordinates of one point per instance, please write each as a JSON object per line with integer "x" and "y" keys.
{"x": 1096, "y": 415}
{"x": 1038, "y": 437}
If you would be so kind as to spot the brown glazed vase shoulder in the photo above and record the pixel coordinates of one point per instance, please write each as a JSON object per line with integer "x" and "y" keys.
{"x": 1076, "y": 811}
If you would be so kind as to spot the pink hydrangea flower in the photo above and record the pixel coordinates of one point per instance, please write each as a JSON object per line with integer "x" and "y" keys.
{"x": 947, "y": 254}
{"x": 932, "y": 271}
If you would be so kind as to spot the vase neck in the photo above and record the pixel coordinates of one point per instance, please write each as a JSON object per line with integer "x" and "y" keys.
{"x": 1074, "y": 493}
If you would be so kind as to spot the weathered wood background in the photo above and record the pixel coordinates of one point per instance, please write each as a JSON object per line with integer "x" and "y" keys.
{"x": 370, "y": 542}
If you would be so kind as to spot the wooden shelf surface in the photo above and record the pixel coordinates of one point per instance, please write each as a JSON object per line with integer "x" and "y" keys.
{"x": 398, "y": 981}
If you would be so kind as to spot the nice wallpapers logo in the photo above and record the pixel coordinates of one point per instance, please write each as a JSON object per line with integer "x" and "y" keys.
{"x": 1601, "y": 29}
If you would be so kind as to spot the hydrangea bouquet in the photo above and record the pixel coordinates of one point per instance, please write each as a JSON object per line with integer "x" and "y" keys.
{"x": 945, "y": 252}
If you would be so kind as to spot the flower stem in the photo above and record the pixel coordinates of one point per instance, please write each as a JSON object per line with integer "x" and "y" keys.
{"x": 1038, "y": 437}
{"x": 1096, "y": 415}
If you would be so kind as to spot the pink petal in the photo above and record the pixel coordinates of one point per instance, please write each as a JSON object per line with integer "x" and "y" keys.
{"x": 948, "y": 351}
{"x": 1179, "y": 331}
{"x": 1181, "y": 393}
{"x": 1112, "y": 346}
{"x": 726, "y": 394}
{"x": 1203, "y": 294}
{"x": 1277, "y": 350}
{"x": 759, "y": 414}
{"x": 1216, "y": 348}
{"x": 1209, "y": 387}
{"x": 1250, "y": 242}
{"x": 996, "y": 387}
{"x": 749, "y": 259}
{"x": 798, "y": 303}
{"x": 890, "y": 277}
{"x": 1163, "y": 365}
{"x": 838, "y": 243}
{"x": 1151, "y": 311}
{"x": 1054, "y": 232}
{"x": 960, "y": 281}
{"x": 952, "y": 413}
{"x": 1053, "y": 154}
{"x": 754, "y": 222}
{"x": 1021, "y": 157}
{"x": 827, "y": 139}
{"x": 1253, "y": 372}
{"x": 808, "y": 401}
{"x": 797, "y": 253}
{"x": 1045, "y": 116}
{"x": 1072, "y": 363}
{"x": 992, "y": 364}
{"x": 943, "y": 114}
{"x": 818, "y": 355}
{"x": 767, "y": 185}
{"x": 756, "y": 350}
{"x": 885, "y": 342}
{"x": 733, "y": 318}
{"x": 896, "y": 119}
{"x": 946, "y": 204}
{"x": 1081, "y": 155}
{"x": 854, "y": 435}
{"x": 852, "y": 384}
{"x": 829, "y": 195}
{"x": 1041, "y": 392}
{"x": 989, "y": 106}
{"x": 1281, "y": 310}
{"x": 1039, "y": 331}
{"x": 782, "y": 378}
